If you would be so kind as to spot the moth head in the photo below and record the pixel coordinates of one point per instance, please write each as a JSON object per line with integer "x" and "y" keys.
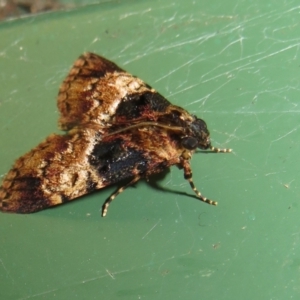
{"x": 197, "y": 136}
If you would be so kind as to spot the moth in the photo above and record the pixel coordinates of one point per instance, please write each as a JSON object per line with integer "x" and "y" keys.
{"x": 118, "y": 129}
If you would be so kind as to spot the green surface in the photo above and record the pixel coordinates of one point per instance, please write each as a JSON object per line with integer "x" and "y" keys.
{"x": 233, "y": 63}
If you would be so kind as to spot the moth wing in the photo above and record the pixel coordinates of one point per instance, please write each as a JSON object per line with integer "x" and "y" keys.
{"x": 85, "y": 95}
{"x": 98, "y": 92}
{"x": 54, "y": 172}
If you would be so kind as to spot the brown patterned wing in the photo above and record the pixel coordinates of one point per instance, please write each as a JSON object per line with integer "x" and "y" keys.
{"x": 55, "y": 171}
{"x": 81, "y": 98}
{"x": 93, "y": 90}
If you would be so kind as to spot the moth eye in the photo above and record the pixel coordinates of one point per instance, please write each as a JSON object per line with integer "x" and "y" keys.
{"x": 189, "y": 143}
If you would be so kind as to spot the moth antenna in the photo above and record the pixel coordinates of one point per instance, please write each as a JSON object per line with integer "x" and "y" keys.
{"x": 143, "y": 124}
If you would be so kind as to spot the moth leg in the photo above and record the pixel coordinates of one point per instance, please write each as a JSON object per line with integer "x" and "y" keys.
{"x": 220, "y": 150}
{"x": 185, "y": 163}
{"x": 115, "y": 194}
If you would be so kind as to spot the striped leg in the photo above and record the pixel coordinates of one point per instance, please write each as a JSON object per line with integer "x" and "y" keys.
{"x": 188, "y": 176}
{"x": 115, "y": 194}
{"x": 220, "y": 150}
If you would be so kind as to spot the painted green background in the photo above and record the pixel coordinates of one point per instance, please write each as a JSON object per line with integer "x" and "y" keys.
{"x": 236, "y": 64}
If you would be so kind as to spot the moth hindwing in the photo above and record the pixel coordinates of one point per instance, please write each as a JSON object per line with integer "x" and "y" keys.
{"x": 117, "y": 128}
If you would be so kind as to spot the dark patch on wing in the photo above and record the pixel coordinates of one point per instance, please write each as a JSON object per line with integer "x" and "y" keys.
{"x": 90, "y": 184}
{"x": 114, "y": 161}
{"x": 136, "y": 104}
{"x": 31, "y": 197}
